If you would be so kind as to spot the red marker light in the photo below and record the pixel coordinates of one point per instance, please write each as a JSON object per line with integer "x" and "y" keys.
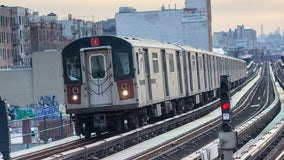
{"x": 95, "y": 42}
{"x": 225, "y": 106}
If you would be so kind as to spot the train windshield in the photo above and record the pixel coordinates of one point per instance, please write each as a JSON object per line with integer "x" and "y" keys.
{"x": 73, "y": 68}
{"x": 121, "y": 64}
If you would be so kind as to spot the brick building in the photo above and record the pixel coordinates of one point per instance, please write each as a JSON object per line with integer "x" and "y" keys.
{"x": 46, "y": 33}
{"x": 7, "y": 37}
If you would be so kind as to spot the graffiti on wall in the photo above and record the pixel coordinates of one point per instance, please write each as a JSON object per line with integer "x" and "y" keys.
{"x": 17, "y": 112}
{"x": 46, "y": 106}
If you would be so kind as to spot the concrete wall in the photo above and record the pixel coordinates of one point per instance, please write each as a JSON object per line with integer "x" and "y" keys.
{"x": 48, "y": 76}
{"x": 158, "y": 25}
{"x": 16, "y": 86}
{"x": 177, "y": 26}
{"x": 23, "y": 87}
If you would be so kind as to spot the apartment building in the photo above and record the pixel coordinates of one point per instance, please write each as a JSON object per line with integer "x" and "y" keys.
{"x": 7, "y": 35}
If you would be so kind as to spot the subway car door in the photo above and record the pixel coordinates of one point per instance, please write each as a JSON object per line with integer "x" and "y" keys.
{"x": 148, "y": 81}
{"x": 98, "y": 76}
{"x": 165, "y": 72}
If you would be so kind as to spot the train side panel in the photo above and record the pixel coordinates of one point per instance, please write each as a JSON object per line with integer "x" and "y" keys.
{"x": 194, "y": 73}
{"x": 140, "y": 77}
{"x": 173, "y": 81}
{"x": 156, "y": 70}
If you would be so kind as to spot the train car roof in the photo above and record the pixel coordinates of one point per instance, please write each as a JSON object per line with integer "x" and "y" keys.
{"x": 192, "y": 49}
{"x": 141, "y": 42}
{"x": 162, "y": 44}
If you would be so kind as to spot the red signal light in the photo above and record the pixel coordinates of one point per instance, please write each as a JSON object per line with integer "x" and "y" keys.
{"x": 225, "y": 106}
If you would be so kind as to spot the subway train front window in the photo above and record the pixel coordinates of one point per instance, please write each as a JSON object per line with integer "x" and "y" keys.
{"x": 97, "y": 64}
{"x": 121, "y": 64}
{"x": 73, "y": 68}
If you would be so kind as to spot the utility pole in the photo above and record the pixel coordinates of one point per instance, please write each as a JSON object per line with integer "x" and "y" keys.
{"x": 227, "y": 137}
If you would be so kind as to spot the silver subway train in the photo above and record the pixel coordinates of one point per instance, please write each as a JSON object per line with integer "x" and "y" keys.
{"x": 117, "y": 83}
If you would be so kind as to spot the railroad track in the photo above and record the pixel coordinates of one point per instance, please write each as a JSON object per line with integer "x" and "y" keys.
{"x": 261, "y": 143}
{"x": 241, "y": 114}
{"x": 267, "y": 145}
{"x": 60, "y": 148}
{"x": 112, "y": 143}
{"x": 279, "y": 73}
{"x": 117, "y": 143}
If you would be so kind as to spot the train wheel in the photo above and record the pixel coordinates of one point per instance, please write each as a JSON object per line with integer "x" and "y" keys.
{"x": 78, "y": 127}
{"x": 174, "y": 106}
{"x": 98, "y": 133}
{"x": 87, "y": 131}
{"x": 180, "y": 106}
{"x": 143, "y": 116}
{"x": 120, "y": 125}
{"x": 135, "y": 123}
{"x": 191, "y": 105}
{"x": 133, "y": 120}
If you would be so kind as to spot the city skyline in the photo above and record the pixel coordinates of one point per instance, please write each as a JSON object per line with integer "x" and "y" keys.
{"x": 226, "y": 14}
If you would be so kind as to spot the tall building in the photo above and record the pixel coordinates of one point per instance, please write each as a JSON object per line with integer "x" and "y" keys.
{"x": 261, "y": 30}
{"x": 46, "y": 32}
{"x": 15, "y": 42}
{"x": 191, "y": 25}
{"x": 22, "y": 56}
{"x": 7, "y": 37}
{"x": 240, "y": 38}
{"x": 78, "y": 28}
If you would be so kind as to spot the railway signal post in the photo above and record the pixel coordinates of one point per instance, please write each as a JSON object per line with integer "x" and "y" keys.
{"x": 227, "y": 137}
{"x": 4, "y": 130}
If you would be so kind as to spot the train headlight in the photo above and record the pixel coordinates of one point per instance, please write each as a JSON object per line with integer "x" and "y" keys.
{"x": 125, "y": 93}
{"x": 75, "y": 97}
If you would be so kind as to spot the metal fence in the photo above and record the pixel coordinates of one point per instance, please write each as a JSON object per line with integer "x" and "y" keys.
{"x": 40, "y": 130}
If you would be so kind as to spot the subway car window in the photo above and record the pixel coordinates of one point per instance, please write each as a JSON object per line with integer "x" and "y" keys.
{"x": 193, "y": 63}
{"x": 98, "y": 66}
{"x": 73, "y": 68}
{"x": 121, "y": 64}
{"x": 155, "y": 63}
{"x": 137, "y": 61}
{"x": 172, "y": 66}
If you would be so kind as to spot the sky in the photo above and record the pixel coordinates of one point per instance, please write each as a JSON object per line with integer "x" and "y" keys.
{"x": 226, "y": 14}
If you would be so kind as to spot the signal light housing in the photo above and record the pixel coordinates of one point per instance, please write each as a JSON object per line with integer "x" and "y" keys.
{"x": 225, "y": 103}
{"x": 227, "y": 127}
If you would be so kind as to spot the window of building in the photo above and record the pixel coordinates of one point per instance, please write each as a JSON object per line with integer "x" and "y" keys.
{"x": 20, "y": 20}
{"x": 21, "y": 34}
